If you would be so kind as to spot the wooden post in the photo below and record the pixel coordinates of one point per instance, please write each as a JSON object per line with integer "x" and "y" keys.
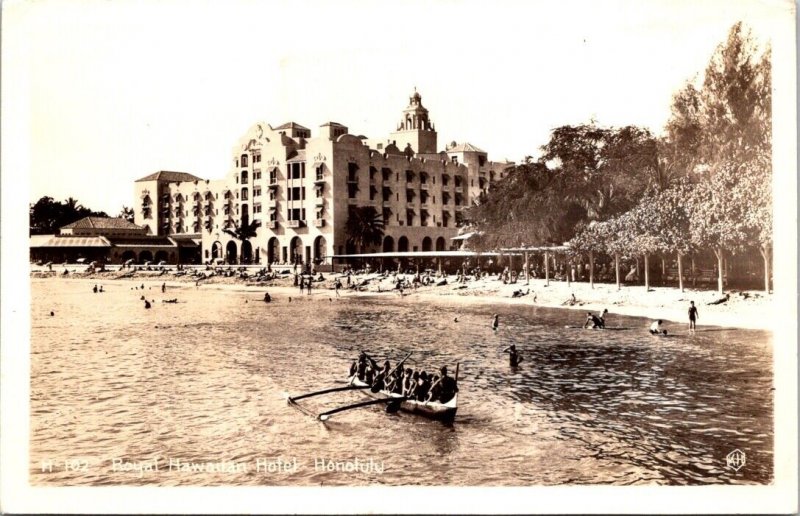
{"x": 546, "y": 269}
{"x": 527, "y": 271}
{"x": 646, "y": 273}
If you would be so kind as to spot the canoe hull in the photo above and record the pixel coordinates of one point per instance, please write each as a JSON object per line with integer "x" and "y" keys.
{"x": 445, "y": 412}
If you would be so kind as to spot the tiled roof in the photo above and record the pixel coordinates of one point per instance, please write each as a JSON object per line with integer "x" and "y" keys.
{"x": 152, "y": 241}
{"x": 291, "y": 125}
{"x": 172, "y": 177}
{"x": 465, "y": 147}
{"x": 102, "y": 223}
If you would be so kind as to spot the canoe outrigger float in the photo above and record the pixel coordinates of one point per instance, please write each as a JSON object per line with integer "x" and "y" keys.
{"x": 445, "y": 412}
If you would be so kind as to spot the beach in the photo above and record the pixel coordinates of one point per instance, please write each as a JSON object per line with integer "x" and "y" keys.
{"x": 743, "y": 309}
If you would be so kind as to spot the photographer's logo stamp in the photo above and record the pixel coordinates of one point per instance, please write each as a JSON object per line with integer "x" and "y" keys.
{"x": 736, "y": 459}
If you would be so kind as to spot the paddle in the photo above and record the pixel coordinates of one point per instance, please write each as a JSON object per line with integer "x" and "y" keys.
{"x": 326, "y": 415}
{"x": 293, "y": 399}
{"x": 375, "y": 387}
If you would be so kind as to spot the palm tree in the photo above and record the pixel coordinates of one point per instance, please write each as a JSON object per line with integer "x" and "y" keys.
{"x": 244, "y": 231}
{"x": 364, "y": 227}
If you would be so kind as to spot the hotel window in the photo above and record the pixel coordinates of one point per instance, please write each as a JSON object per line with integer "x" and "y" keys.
{"x": 423, "y": 218}
{"x": 352, "y": 190}
{"x": 256, "y": 175}
{"x": 445, "y": 179}
{"x": 297, "y": 170}
{"x": 454, "y": 159}
{"x": 244, "y": 177}
{"x": 273, "y": 176}
{"x": 445, "y": 198}
{"x": 423, "y": 197}
{"x": 273, "y": 215}
{"x": 320, "y": 213}
{"x": 423, "y": 178}
{"x": 445, "y": 218}
{"x": 458, "y": 180}
{"x": 459, "y": 199}
{"x": 297, "y": 214}
{"x": 387, "y": 215}
{"x": 387, "y": 193}
{"x": 244, "y": 194}
{"x": 272, "y": 195}
{"x": 256, "y": 158}
{"x": 256, "y": 191}
{"x": 256, "y": 208}
{"x": 319, "y": 191}
{"x": 372, "y": 172}
{"x": 410, "y": 217}
{"x": 409, "y": 176}
{"x": 352, "y": 172}
{"x": 373, "y": 191}
{"x": 387, "y": 174}
{"x": 244, "y": 160}
{"x": 297, "y": 193}
{"x": 409, "y": 195}
{"x": 320, "y": 172}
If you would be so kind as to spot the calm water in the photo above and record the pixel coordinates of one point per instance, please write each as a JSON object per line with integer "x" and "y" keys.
{"x": 204, "y": 381}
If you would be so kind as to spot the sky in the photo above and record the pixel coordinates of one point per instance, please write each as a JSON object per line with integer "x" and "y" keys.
{"x": 97, "y": 94}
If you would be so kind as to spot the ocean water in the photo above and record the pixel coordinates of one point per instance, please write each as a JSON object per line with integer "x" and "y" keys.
{"x": 194, "y": 393}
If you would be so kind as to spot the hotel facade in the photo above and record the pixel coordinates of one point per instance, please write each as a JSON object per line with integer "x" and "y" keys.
{"x": 301, "y": 189}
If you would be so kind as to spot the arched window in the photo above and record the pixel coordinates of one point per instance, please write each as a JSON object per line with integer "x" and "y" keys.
{"x": 244, "y": 177}
{"x": 243, "y": 160}
{"x": 244, "y": 194}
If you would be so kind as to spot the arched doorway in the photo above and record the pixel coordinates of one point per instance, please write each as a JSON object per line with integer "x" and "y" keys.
{"x": 145, "y": 256}
{"x": 216, "y": 251}
{"x": 247, "y": 252}
{"x": 388, "y": 244}
{"x": 296, "y": 250}
{"x": 440, "y": 243}
{"x": 230, "y": 253}
{"x": 320, "y": 244}
{"x": 161, "y": 256}
{"x": 402, "y": 245}
{"x": 128, "y": 255}
{"x": 427, "y": 244}
{"x": 273, "y": 250}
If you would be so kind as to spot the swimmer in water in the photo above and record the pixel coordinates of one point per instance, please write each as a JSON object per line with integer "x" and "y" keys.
{"x": 495, "y": 322}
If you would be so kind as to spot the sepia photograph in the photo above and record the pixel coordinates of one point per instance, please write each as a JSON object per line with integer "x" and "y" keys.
{"x": 399, "y": 257}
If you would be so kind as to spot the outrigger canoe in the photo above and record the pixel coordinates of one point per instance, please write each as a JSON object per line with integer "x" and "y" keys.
{"x": 433, "y": 410}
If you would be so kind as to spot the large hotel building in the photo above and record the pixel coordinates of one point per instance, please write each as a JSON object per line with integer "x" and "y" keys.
{"x": 301, "y": 189}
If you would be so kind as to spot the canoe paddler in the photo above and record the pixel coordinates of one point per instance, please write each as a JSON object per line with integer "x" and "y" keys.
{"x": 382, "y": 377}
{"x": 446, "y": 387}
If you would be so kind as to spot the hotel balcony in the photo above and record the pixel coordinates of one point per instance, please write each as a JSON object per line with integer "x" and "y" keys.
{"x": 319, "y": 180}
{"x": 272, "y": 184}
{"x": 318, "y": 223}
{"x": 295, "y": 223}
{"x": 386, "y": 182}
{"x": 459, "y": 189}
{"x": 424, "y": 186}
{"x": 271, "y": 224}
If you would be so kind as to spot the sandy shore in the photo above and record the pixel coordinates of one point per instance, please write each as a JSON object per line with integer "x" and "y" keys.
{"x": 748, "y": 309}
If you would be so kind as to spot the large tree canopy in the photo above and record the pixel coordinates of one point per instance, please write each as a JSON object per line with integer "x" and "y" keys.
{"x": 48, "y": 216}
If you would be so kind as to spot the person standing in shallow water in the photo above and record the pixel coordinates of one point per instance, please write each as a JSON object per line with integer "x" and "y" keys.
{"x": 693, "y": 316}
{"x": 495, "y": 322}
{"x": 514, "y": 358}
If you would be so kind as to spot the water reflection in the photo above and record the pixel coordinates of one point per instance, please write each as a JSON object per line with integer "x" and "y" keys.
{"x": 205, "y": 379}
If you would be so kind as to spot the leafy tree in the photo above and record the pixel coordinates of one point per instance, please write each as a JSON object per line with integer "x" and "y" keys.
{"x": 48, "y": 216}
{"x": 364, "y": 227}
{"x": 126, "y": 213}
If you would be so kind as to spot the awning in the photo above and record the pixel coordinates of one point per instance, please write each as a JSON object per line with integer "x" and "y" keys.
{"x": 272, "y": 168}
{"x": 74, "y": 241}
{"x": 318, "y": 164}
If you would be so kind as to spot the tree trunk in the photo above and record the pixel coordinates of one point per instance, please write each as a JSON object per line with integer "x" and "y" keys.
{"x": 616, "y": 269}
{"x": 720, "y": 267}
{"x": 766, "y": 255}
{"x": 591, "y": 269}
{"x": 694, "y": 273}
{"x": 568, "y": 268}
{"x": 646, "y": 273}
{"x": 663, "y": 271}
{"x": 546, "y": 269}
{"x": 680, "y": 272}
{"x": 638, "y": 270}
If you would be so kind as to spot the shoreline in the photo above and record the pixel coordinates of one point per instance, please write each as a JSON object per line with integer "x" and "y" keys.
{"x": 744, "y": 310}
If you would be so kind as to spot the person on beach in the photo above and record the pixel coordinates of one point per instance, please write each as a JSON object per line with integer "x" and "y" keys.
{"x": 267, "y": 297}
{"x": 95, "y": 289}
{"x": 655, "y": 328}
{"x": 336, "y": 286}
{"x": 101, "y": 289}
{"x": 693, "y": 316}
{"x": 495, "y": 322}
{"x": 163, "y": 287}
{"x": 514, "y": 358}
{"x": 308, "y": 287}
{"x": 595, "y": 321}
{"x": 146, "y": 303}
{"x": 302, "y": 284}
